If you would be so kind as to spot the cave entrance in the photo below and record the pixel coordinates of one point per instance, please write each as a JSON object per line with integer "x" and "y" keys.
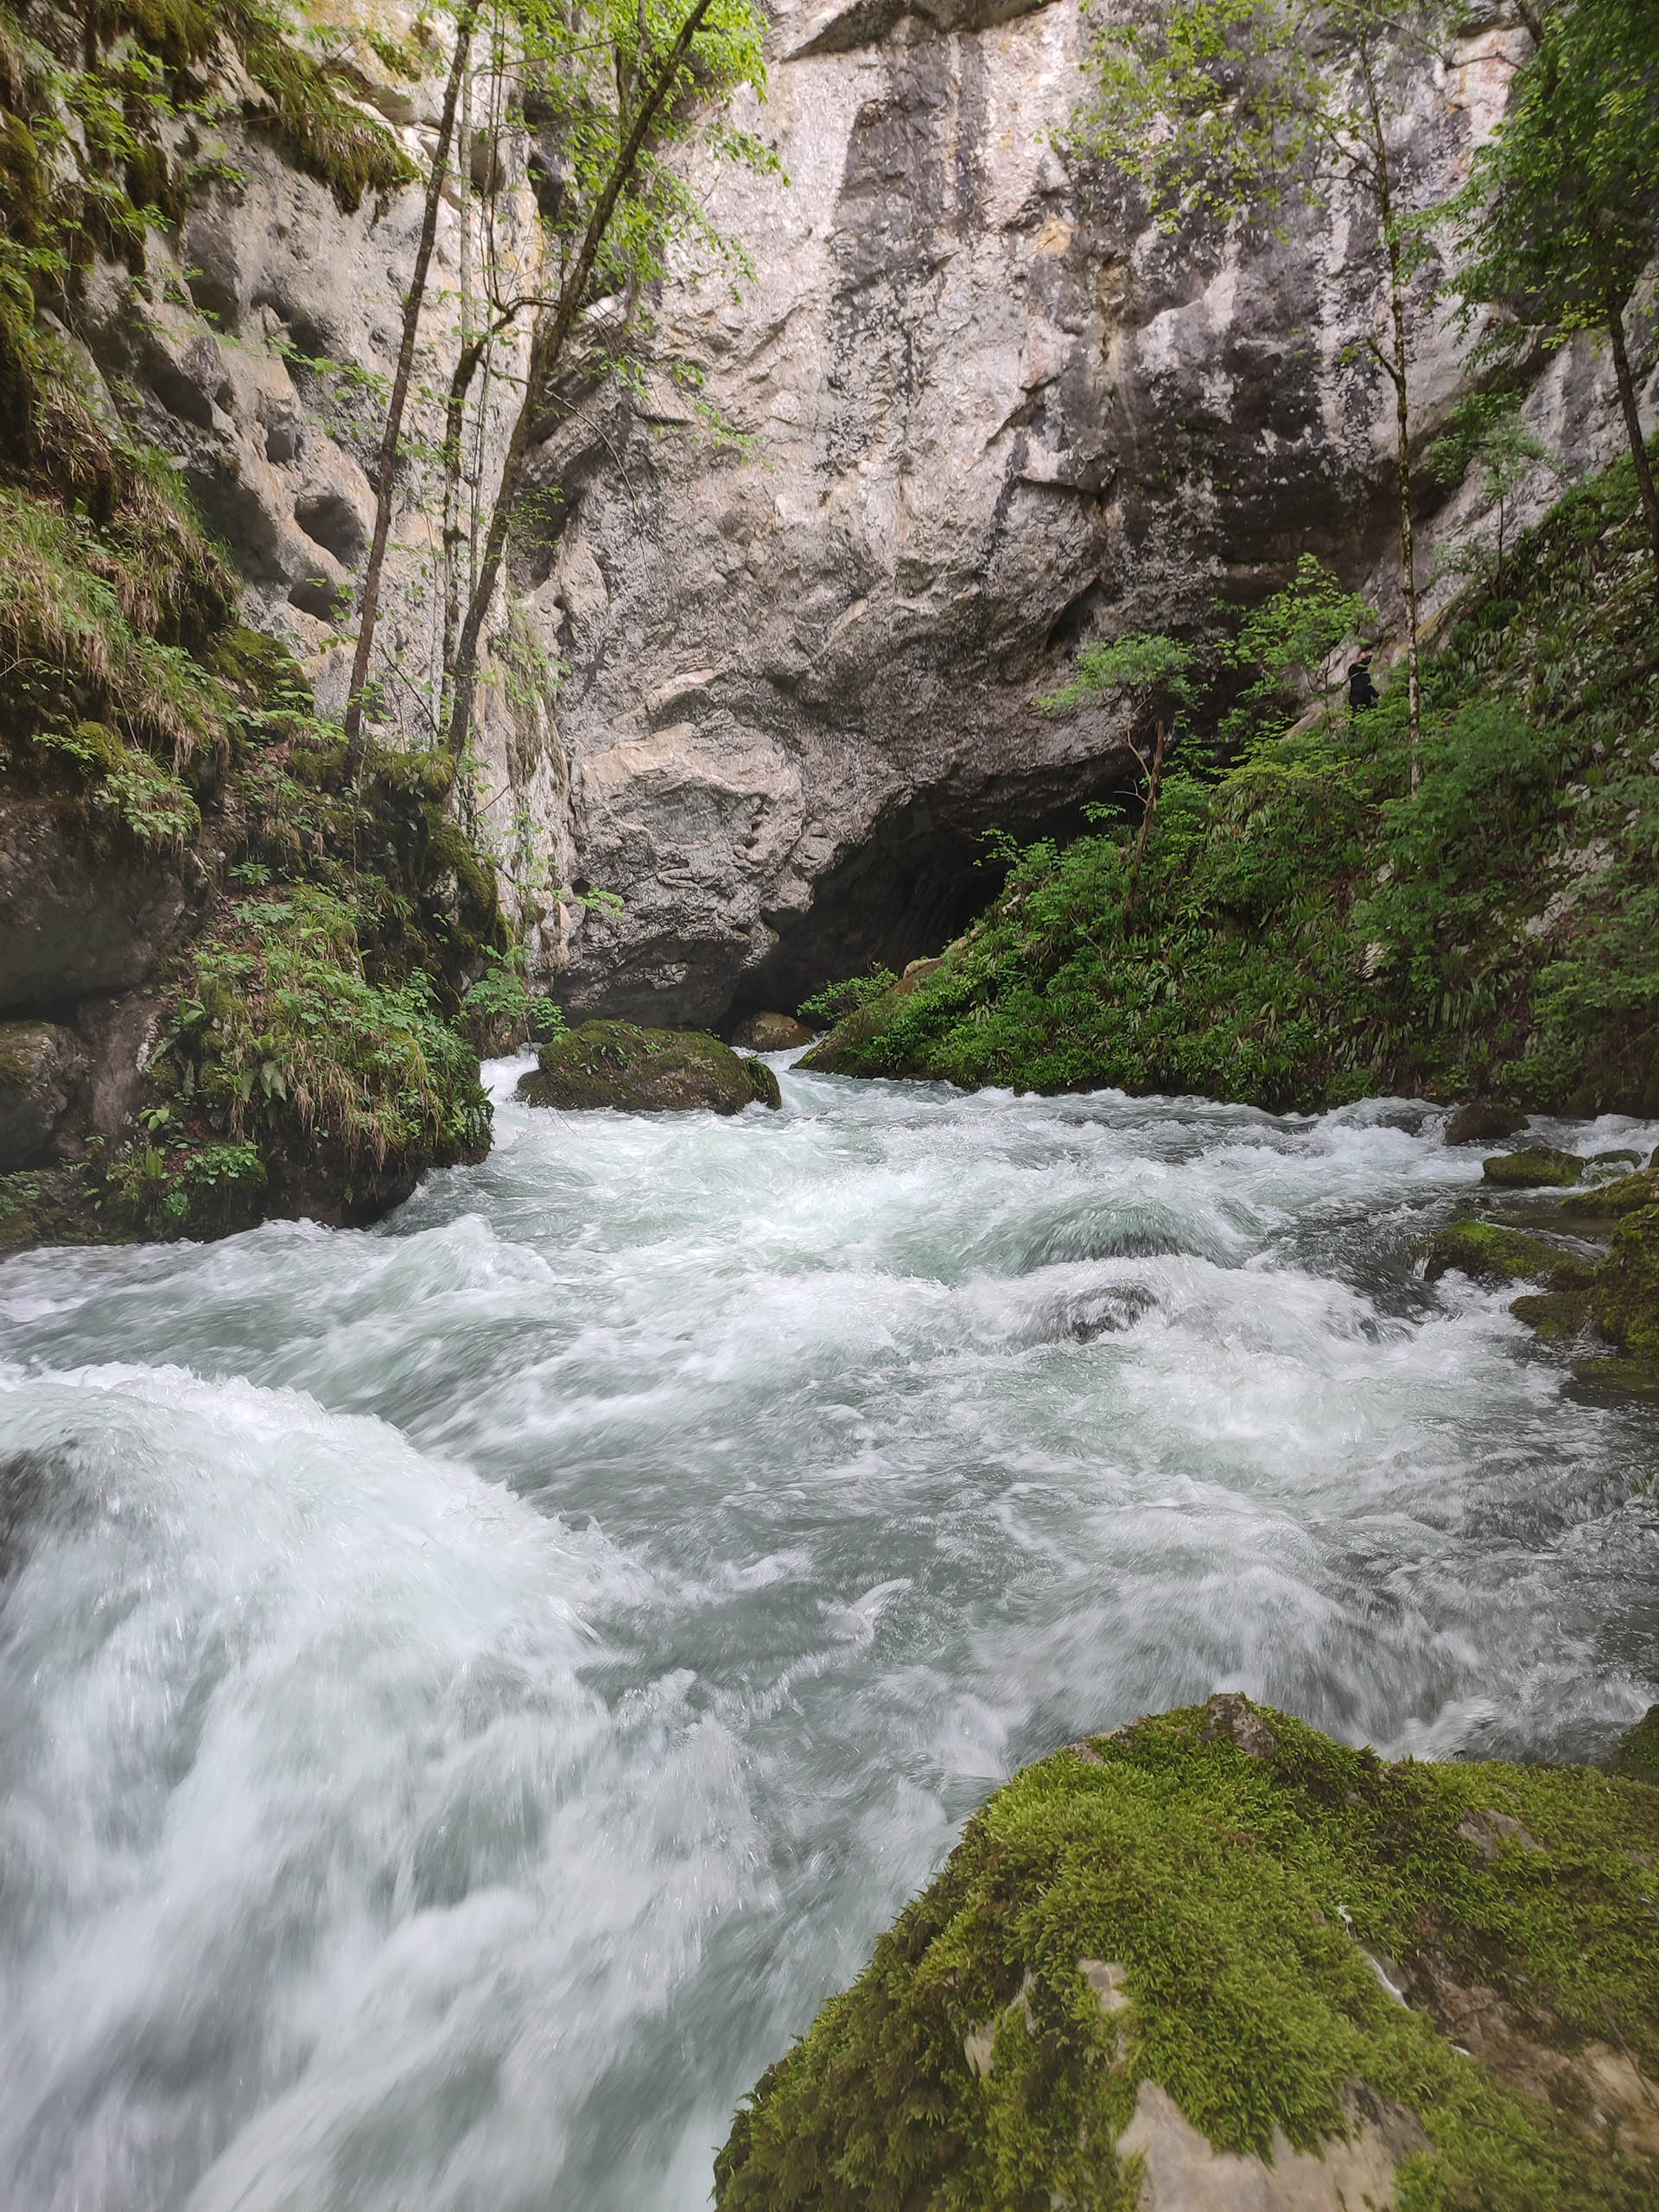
{"x": 915, "y": 881}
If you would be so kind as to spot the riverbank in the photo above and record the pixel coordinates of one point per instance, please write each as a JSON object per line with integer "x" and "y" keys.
{"x": 550, "y": 1636}
{"x": 1309, "y": 930}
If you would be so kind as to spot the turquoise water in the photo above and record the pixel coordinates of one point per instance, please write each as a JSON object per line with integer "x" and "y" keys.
{"x": 469, "y": 1689}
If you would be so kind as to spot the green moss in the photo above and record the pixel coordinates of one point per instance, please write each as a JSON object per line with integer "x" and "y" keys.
{"x": 1606, "y": 1201}
{"x": 637, "y": 1070}
{"x": 1235, "y": 1898}
{"x": 1538, "y": 1168}
{"x": 1625, "y": 1300}
{"x": 1637, "y": 1755}
{"x": 1486, "y": 1253}
{"x": 1557, "y": 1315}
{"x": 1311, "y": 928}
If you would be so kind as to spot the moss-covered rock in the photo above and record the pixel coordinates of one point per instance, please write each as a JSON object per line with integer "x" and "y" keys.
{"x": 1556, "y": 1315}
{"x": 646, "y": 1071}
{"x": 1637, "y": 1755}
{"x": 1482, "y": 1121}
{"x": 1607, "y": 1201}
{"x": 772, "y": 1032}
{"x": 1488, "y": 1254}
{"x": 1538, "y": 1168}
{"x": 1165, "y": 1957}
{"x": 1625, "y": 1298}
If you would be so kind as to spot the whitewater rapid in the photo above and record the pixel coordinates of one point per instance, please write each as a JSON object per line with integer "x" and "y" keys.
{"x": 469, "y": 1689}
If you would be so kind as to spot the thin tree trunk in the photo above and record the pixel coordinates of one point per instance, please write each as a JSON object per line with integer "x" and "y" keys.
{"x": 1154, "y": 777}
{"x": 1382, "y": 184}
{"x": 369, "y": 607}
{"x": 548, "y": 338}
{"x": 1633, "y": 429}
{"x": 454, "y": 415}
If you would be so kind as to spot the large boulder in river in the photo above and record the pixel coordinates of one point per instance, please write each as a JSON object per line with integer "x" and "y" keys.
{"x": 1214, "y": 1960}
{"x": 646, "y": 1071}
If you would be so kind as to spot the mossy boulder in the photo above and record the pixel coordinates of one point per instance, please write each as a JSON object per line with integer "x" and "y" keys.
{"x": 1488, "y": 1254}
{"x": 772, "y": 1032}
{"x": 1215, "y": 1959}
{"x": 1607, "y": 1201}
{"x": 1482, "y": 1121}
{"x": 1637, "y": 1755}
{"x": 646, "y": 1071}
{"x": 1539, "y": 1167}
{"x": 1625, "y": 1297}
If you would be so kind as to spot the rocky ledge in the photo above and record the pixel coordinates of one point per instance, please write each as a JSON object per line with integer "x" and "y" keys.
{"x": 1214, "y": 1960}
{"x": 646, "y": 1071}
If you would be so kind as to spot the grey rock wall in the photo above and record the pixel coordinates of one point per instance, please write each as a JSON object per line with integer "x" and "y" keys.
{"x": 805, "y": 588}
{"x": 987, "y": 413}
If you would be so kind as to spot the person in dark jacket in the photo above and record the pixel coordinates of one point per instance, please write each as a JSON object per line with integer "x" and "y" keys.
{"x": 1361, "y": 692}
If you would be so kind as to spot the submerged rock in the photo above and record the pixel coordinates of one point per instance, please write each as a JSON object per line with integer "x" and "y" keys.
{"x": 1539, "y": 1167}
{"x": 1489, "y": 1253}
{"x": 646, "y": 1071}
{"x": 1481, "y": 1121}
{"x": 772, "y": 1032}
{"x": 1215, "y": 1959}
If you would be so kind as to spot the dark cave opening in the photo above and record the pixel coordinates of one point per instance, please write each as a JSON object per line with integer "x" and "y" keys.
{"x": 917, "y": 880}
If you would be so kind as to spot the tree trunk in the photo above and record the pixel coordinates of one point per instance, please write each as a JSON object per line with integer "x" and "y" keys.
{"x": 370, "y": 604}
{"x": 1633, "y": 429}
{"x": 1154, "y": 777}
{"x": 548, "y": 339}
{"x": 1382, "y": 185}
{"x": 454, "y": 413}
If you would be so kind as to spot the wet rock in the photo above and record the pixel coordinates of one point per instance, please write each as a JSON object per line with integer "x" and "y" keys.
{"x": 1538, "y": 1168}
{"x": 1624, "y": 1296}
{"x": 1637, "y": 1754}
{"x": 772, "y": 1032}
{"x": 646, "y": 1071}
{"x": 1488, "y": 1254}
{"x": 41, "y": 1066}
{"x": 75, "y": 921}
{"x": 1482, "y": 1121}
{"x": 1607, "y": 1201}
{"x": 1230, "y": 1719}
{"x": 1164, "y": 1946}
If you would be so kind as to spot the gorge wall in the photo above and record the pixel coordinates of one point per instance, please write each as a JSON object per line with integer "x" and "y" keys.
{"x": 767, "y": 664}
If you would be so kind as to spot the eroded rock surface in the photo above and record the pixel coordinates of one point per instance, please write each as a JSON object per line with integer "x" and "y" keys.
{"x": 1212, "y": 1961}
{"x": 646, "y": 1071}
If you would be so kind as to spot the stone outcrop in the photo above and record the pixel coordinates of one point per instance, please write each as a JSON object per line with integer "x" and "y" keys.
{"x": 646, "y": 1071}
{"x": 805, "y": 580}
{"x": 1214, "y": 1962}
{"x": 986, "y": 411}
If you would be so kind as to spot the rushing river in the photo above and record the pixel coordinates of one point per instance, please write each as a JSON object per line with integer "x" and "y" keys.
{"x": 469, "y": 1690}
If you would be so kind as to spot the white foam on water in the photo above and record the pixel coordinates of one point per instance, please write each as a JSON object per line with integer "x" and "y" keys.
{"x": 469, "y": 1690}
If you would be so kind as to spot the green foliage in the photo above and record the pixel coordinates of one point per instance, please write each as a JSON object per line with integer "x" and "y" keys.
{"x": 1312, "y": 930}
{"x": 1293, "y": 642}
{"x": 1226, "y": 1881}
{"x": 278, "y": 1028}
{"x": 1221, "y": 109}
{"x": 1561, "y": 214}
{"x": 1145, "y": 669}
{"x": 836, "y": 1001}
{"x": 1486, "y": 436}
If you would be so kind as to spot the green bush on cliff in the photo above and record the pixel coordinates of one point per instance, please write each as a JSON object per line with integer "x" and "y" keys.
{"x": 1209, "y": 1901}
{"x": 1309, "y": 930}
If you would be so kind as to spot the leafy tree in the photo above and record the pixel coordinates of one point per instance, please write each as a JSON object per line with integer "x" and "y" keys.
{"x": 1223, "y": 109}
{"x": 1561, "y": 214}
{"x": 369, "y": 604}
{"x": 1486, "y": 436}
{"x": 1293, "y": 641}
{"x": 621, "y": 83}
{"x": 1152, "y": 675}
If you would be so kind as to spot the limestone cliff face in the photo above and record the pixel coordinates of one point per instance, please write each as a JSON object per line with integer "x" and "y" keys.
{"x": 987, "y": 412}
{"x": 970, "y": 410}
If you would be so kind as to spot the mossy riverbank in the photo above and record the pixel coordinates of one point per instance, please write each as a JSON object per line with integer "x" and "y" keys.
{"x": 1308, "y": 930}
{"x": 1215, "y": 1959}
{"x": 241, "y": 980}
